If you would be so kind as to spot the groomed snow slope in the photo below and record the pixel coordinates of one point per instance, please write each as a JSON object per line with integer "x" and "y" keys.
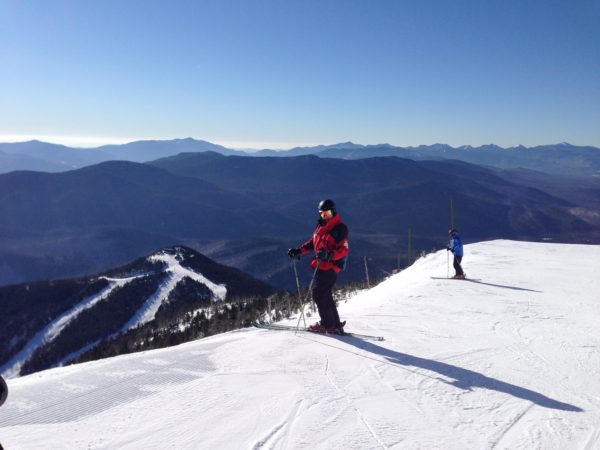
{"x": 510, "y": 360}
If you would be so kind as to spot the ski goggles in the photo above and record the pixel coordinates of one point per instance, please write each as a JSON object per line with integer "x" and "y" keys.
{"x": 328, "y": 214}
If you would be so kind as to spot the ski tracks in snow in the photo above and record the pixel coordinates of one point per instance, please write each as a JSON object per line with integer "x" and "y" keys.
{"x": 324, "y": 413}
{"x": 351, "y": 403}
{"x": 511, "y": 423}
{"x": 593, "y": 441}
{"x": 278, "y": 437}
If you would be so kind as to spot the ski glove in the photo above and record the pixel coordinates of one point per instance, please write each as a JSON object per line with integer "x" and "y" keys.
{"x": 294, "y": 253}
{"x": 323, "y": 255}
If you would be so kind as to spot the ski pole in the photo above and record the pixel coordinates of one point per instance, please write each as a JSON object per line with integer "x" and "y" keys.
{"x": 447, "y": 264}
{"x": 298, "y": 286}
{"x": 297, "y": 279}
{"x": 307, "y": 294}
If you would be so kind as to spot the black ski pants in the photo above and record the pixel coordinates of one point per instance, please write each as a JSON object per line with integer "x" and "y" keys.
{"x": 457, "y": 265}
{"x": 322, "y": 294}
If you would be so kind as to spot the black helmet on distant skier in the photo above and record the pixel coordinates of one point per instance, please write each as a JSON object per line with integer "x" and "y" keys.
{"x": 453, "y": 232}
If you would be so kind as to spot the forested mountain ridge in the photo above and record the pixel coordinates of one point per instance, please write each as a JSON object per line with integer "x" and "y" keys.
{"x": 173, "y": 294}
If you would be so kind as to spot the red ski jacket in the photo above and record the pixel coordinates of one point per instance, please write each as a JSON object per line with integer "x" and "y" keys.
{"x": 331, "y": 236}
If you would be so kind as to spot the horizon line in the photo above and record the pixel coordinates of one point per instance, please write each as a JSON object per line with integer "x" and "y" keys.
{"x": 92, "y": 142}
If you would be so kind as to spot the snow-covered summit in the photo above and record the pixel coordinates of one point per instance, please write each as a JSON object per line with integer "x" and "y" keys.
{"x": 506, "y": 360}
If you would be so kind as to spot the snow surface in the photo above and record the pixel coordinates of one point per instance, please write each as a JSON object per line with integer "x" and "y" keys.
{"x": 510, "y": 360}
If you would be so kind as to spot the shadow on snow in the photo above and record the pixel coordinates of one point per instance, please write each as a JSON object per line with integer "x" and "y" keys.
{"x": 502, "y": 286}
{"x": 462, "y": 378}
{"x": 478, "y": 281}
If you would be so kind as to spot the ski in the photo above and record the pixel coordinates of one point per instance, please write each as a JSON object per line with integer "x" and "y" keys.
{"x": 271, "y": 326}
{"x": 458, "y": 279}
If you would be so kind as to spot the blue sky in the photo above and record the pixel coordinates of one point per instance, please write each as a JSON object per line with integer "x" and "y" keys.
{"x": 277, "y": 74}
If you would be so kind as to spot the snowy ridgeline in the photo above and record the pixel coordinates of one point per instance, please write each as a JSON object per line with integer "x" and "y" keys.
{"x": 508, "y": 360}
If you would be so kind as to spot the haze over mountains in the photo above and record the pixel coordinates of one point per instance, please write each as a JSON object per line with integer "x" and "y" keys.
{"x": 559, "y": 159}
{"x": 245, "y": 211}
{"x": 46, "y": 157}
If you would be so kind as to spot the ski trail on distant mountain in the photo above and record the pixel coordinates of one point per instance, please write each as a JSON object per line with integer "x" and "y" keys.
{"x": 172, "y": 261}
{"x": 54, "y": 328}
{"x": 176, "y": 274}
{"x": 149, "y": 309}
{"x": 145, "y": 314}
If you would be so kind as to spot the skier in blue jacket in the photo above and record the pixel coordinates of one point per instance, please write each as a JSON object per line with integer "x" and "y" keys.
{"x": 456, "y": 247}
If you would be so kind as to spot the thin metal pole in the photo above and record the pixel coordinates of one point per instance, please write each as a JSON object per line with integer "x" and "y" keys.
{"x": 452, "y": 225}
{"x": 312, "y": 302}
{"x": 297, "y": 283}
{"x": 409, "y": 247}
{"x": 312, "y": 280}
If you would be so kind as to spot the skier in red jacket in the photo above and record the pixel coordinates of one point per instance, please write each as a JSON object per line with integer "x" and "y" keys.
{"x": 330, "y": 244}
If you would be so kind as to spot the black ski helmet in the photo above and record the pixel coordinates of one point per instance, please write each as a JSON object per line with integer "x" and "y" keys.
{"x": 327, "y": 205}
{"x": 453, "y": 232}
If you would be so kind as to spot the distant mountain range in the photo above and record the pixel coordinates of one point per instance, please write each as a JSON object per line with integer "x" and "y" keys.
{"x": 171, "y": 296}
{"x": 245, "y": 211}
{"x": 560, "y": 159}
{"x": 45, "y": 157}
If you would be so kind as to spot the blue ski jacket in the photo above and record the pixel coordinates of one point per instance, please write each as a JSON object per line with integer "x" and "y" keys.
{"x": 456, "y": 246}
